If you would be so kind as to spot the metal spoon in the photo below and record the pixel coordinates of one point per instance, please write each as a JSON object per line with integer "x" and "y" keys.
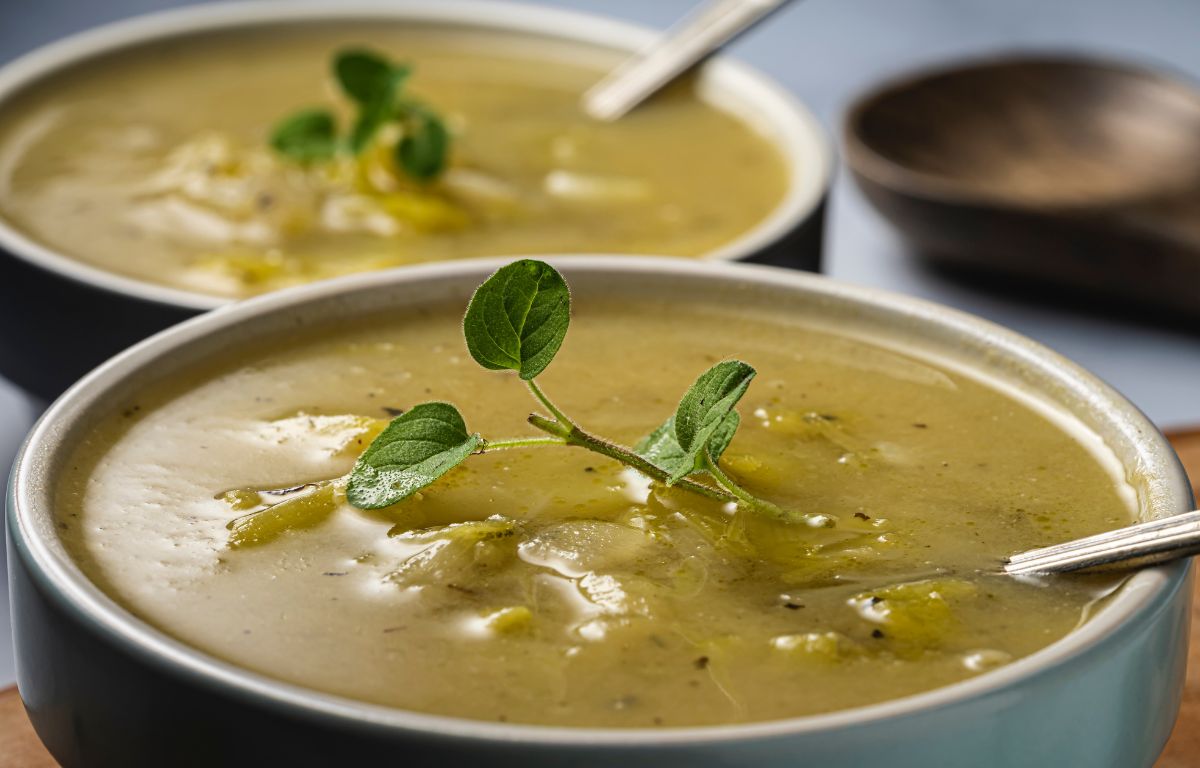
{"x": 1157, "y": 541}
{"x": 697, "y": 35}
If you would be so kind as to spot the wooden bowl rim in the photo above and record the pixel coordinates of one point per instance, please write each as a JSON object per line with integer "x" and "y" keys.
{"x": 869, "y": 164}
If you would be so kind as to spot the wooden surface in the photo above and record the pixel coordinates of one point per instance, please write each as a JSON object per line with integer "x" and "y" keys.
{"x": 20, "y": 748}
{"x": 19, "y": 745}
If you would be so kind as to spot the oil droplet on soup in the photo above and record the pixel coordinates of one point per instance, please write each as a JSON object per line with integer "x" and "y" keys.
{"x": 174, "y": 182}
{"x": 547, "y": 585}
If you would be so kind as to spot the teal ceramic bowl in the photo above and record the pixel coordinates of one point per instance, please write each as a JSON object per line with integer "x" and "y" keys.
{"x": 105, "y": 689}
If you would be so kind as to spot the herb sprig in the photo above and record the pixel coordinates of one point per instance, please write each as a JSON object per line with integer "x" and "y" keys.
{"x": 517, "y": 320}
{"x": 376, "y": 86}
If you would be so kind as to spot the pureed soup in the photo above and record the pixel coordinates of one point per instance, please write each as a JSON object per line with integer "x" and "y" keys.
{"x": 552, "y": 584}
{"x": 157, "y": 162}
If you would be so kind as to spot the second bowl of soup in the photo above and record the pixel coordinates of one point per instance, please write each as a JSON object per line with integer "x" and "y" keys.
{"x": 166, "y": 165}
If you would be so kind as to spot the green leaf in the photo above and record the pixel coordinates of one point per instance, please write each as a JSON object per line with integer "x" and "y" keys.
{"x": 366, "y": 76}
{"x": 375, "y": 84}
{"x": 371, "y": 117}
{"x": 661, "y": 448}
{"x": 414, "y": 450}
{"x": 518, "y": 318}
{"x": 306, "y": 136}
{"x": 702, "y": 411}
{"x": 377, "y": 110}
{"x": 425, "y": 145}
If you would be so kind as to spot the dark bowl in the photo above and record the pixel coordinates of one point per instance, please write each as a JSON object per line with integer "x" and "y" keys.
{"x": 1069, "y": 171}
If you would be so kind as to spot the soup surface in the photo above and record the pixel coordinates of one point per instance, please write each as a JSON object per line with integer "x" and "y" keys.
{"x": 550, "y": 585}
{"x": 155, "y": 163}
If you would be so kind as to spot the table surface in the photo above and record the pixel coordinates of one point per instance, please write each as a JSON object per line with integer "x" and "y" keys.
{"x": 827, "y": 52}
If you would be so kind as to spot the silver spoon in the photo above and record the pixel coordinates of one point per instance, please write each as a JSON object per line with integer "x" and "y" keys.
{"x": 697, "y": 35}
{"x": 1157, "y": 541}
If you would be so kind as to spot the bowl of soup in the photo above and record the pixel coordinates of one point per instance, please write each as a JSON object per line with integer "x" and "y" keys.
{"x": 142, "y": 179}
{"x": 194, "y": 582}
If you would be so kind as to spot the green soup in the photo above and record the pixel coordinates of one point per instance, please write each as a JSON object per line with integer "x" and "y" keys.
{"x": 155, "y": 163}
{"x": 550, "y": 585}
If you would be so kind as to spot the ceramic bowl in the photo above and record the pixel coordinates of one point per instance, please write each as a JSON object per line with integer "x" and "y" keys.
{"x": 73, "y": 315}
{"x": 104, "y": 688}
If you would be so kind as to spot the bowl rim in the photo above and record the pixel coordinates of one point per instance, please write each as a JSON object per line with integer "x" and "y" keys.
{"x": 1141, "y": 598}
{"x": 879, "y": 168}
{"x": 797, "y": 134}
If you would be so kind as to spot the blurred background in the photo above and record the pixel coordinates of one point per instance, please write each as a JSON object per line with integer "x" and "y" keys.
{"x": 828, "y": 52}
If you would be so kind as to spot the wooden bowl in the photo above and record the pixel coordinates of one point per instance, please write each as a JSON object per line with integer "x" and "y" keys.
{"x": 1078, "y": 172}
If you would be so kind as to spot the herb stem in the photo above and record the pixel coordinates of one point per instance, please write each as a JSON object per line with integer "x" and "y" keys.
{"x": 744, "y": 496}
{"x": 554, "y": 411}
{"x": 578, "y": 437}
{"x": 549, "y": 425}
{"x": 521, "y": 442}
{"x": 628, "y": 457}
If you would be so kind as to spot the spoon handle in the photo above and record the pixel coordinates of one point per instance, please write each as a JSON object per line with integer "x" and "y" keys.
{"x": 1157, "y": 541}
{"x": 697, "y": 35}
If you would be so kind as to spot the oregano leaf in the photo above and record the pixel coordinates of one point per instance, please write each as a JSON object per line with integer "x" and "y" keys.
{"x": 376, "y": 111}
{"x": 702, "y": 411}
{"x": 371, "y": 117}
{"x": 423, "y": 148}
{"x": 414, "y": 450}
{"x": 518, "y": 318}
{"x": 363, "y": 75}
{"x": 661, "y": 448}
{"x": 306, "y": 136}
{"x": 375, "y": 84}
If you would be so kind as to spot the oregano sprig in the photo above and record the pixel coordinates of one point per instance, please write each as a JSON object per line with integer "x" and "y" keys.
{"x": 376, "y": 86}
{"x": 517, "y": 320}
